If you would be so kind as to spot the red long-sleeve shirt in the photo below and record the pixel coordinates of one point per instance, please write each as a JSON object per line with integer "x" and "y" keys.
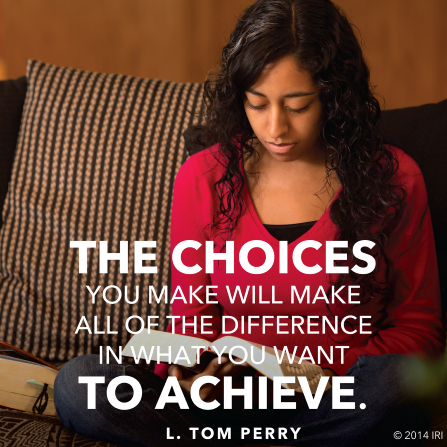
{"x": 408, "y": 323}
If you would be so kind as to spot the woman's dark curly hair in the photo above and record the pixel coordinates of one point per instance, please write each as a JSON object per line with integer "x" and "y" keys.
{"x": 318, "y": 33}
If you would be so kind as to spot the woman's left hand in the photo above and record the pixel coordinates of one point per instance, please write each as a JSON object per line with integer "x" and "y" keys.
{"x": 208, "y": 392}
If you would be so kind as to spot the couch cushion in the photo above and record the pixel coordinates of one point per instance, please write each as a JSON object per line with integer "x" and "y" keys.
{"x": 18, "y": 429}
{"x": 421, "y": 132}
{"x": 12, "y": 98}
{"x": 96, "y": 159}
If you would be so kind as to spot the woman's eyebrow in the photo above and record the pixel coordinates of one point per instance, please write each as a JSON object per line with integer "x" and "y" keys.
{"x": 289, "y": 95}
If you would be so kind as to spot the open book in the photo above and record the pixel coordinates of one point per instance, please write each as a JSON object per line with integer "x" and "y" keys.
{"x": 276, "y": 363}
{"x": 26, "y": 382}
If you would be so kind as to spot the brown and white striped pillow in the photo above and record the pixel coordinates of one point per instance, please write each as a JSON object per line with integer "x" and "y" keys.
{"x": 96, "y": 160}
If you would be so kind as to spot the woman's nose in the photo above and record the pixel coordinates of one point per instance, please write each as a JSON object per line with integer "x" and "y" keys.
{"x": 278, "y": 124}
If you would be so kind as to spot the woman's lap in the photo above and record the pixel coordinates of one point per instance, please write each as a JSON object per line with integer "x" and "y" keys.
{"x": 377, "y": 385}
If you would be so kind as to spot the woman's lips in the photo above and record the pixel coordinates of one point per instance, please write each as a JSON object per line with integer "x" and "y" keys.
{"x": 280, "y": 148}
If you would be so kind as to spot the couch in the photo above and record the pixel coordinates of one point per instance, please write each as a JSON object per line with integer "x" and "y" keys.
{"x": 91, "y": 156}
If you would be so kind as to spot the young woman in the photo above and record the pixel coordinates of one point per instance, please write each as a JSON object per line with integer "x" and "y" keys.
{"x": 298, "y": 157}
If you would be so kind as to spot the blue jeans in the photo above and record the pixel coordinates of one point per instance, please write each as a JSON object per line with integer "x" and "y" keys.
{"x": 377, "y": 385}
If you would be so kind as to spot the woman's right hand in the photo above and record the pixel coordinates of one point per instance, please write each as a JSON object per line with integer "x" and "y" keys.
{"x": 208, "y": 392}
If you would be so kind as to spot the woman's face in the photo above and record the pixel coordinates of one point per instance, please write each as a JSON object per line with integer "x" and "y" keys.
{"x": 285, "y": 111}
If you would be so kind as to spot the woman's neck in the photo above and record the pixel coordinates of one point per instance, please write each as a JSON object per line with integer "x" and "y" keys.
{"x": 309, "y": 167}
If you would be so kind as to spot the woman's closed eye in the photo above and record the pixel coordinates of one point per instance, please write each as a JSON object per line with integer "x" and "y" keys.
{"x": 260, "y": 107}
{"x": 303, "y": 109}
{"x": 251, "y": 106}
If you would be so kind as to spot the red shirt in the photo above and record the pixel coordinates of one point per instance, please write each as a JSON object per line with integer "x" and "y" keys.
{"x": 408, "y": 323}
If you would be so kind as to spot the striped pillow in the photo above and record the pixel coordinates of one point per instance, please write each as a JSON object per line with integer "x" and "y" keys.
{"x": 96, "y": 160}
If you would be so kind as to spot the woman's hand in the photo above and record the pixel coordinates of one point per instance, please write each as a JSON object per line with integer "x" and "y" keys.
{"x": 208, "y": 392}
